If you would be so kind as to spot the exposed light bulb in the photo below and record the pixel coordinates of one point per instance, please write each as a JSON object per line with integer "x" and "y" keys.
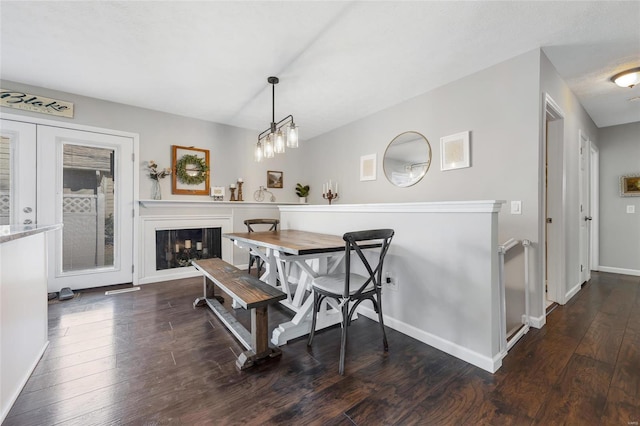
{"x": 279, "y": 143}
{"x": 258, "y": 152}
{"x": 292, "y": 136}
{"x": 268, "y": 147}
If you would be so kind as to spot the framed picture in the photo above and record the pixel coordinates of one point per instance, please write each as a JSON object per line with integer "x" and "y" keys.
{"x": 217, "y": 192}
{"x": 368, "y": 167}
{"x": 454, "y": 151}
{"x": 274, "y": 179}
{"x": 190, "y": 171}
{"x": 630, "y": 185}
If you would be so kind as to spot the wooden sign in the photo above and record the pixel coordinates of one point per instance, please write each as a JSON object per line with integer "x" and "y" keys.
{"x": 24, "y": 101}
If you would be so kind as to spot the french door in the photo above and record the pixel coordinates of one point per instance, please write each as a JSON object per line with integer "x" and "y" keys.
{"x": 17, "y": 192}
{"x": 84, "y": 180}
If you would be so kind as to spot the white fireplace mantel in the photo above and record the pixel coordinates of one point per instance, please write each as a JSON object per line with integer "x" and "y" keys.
{"x": 192, "y": 213}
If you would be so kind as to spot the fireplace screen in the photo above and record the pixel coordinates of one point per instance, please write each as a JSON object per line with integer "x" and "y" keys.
{"x": 176, "y": 248}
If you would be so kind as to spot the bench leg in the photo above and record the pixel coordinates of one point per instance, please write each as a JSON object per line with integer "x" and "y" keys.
{"x": 208, "y": 288}
{"x": 259, "y": 340}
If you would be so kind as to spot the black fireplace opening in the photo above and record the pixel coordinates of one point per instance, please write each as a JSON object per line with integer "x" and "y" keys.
{"x": 176, "y": 248}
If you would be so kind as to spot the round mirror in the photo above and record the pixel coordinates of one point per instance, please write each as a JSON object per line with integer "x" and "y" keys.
{"x": 407, "y": 159}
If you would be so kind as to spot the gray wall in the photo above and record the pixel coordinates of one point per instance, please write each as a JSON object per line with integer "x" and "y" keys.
{"x": 619, "y": 230}
{"x": 231, "y": 148}
{"x": 502, "y": 107}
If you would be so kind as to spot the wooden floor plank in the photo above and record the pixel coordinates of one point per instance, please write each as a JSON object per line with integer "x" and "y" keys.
{"x": 149, "y": 357}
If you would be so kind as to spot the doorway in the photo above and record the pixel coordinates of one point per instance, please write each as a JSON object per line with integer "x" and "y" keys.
{"x": 84, "y": 180}
{"x": 553, "y": 201}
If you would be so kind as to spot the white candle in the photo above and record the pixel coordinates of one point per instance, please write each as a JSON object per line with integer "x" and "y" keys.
{"x": 187, "y": 243}
{"x": 336, "y": 187}
{"x": 240, "y": 180}
{"x": 177, "y": 248}
{"x": 199, "y": 245}
{"x": 232, "y": 186}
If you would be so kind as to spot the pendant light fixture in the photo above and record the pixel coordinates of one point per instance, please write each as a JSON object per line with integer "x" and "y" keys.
{"x": 628, "y": 78}
{"x": 279, "y": 135}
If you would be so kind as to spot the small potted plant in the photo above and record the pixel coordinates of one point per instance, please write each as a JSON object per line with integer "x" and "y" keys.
{"x": 302, "y": 192}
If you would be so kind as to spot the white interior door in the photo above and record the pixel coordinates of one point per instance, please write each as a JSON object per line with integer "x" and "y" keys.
{"x": 17, "y": 173}
{"x": 585, "y": 208}
{"x": 86, "y": 183}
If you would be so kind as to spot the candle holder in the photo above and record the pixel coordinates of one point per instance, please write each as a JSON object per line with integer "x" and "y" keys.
{"x": 233, "y": 194}
{"x": 330, "y": 196}
{"x": 240, "y": 191}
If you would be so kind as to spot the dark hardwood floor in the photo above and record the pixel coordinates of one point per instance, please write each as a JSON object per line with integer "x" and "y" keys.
{"x": 149, "y": 358}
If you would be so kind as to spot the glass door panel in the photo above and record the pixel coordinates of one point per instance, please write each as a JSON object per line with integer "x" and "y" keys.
{"x": 87, "y": 207}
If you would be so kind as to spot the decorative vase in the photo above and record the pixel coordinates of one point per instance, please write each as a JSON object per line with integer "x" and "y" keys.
{"x": 155, "y": 190}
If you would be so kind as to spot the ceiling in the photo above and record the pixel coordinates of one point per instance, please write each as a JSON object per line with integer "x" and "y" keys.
{"x": 337, "y": 61}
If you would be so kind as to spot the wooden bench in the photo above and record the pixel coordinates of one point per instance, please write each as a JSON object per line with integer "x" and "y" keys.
{"x": 250, "y": 293}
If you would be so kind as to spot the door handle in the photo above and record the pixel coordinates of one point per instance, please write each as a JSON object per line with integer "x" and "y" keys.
{"x": 586, "y": 218}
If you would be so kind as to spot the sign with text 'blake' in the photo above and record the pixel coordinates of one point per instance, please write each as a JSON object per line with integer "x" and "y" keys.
{"x": 24, "y": 101}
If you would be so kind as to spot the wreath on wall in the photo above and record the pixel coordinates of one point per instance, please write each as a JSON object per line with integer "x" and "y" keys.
{"x": 191, "y": 169}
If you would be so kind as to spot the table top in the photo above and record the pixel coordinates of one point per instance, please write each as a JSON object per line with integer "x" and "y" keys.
{"x": 291, "y": 241}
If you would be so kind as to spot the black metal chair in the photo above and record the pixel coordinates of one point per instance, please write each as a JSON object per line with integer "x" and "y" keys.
{"x": 350, "y": 287}
{"x": 250, "y": 223}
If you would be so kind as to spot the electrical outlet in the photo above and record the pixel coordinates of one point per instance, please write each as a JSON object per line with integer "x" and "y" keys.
{"x": 631, "y": 209}
{"x": 392, "y": 282}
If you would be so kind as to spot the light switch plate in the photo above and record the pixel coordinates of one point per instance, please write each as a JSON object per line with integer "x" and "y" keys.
{"x": 631, "y": 209}
{"x": 516, "y": 207}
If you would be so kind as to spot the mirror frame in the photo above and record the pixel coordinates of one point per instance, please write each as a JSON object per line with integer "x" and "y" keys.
{"x": 415, "y": 181}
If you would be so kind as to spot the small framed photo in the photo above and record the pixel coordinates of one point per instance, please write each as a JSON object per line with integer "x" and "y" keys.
{"x": 630, "y": 185}
{"x": 368, "y": 167}
{"x": 454, "y": 151}
{"x": 274, "y": 179}
{"x": 217, "y": 193}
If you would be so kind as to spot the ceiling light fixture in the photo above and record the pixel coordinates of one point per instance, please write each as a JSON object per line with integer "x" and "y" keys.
{"x": 628, "y": 78}
{"x": 285, "y": 132}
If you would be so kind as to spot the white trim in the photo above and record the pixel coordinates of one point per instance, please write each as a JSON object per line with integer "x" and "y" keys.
{"x": 572, "y": 292}
{"x": 623, "y": 271}
{"x": 485, "y": 206}
{"x": 595, "y": 207}
{"x": 537, "y": 322}
{"x": 202, "y": 203}
{"x": 146, "y": 272}
{"x": 552, "y": 109}
{"x": 481, "y": 361}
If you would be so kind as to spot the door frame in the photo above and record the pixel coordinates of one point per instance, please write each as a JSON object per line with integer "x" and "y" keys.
{"x": 584, "y": 201}
{"x": 595, "y": 207}
{"x": 554, "y": 206}
{"x": 135, "y": 137}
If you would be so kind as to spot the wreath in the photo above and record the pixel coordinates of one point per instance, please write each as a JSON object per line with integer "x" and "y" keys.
{"x": 185, "y": 175}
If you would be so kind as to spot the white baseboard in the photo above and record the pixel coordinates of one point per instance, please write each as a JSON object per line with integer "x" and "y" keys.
{"x": 537, "y": 322}
{"x": 622, "y": 271}
{"x": 481, "y": 361}
{"x": 572, "y": 292}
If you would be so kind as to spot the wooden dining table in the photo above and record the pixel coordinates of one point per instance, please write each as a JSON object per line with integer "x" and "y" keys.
{"x": 292, "y": 259}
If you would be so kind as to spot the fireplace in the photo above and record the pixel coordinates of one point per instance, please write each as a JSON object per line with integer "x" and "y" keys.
{"x": 169, "y": 243}
{"x": 176, "y": 248}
